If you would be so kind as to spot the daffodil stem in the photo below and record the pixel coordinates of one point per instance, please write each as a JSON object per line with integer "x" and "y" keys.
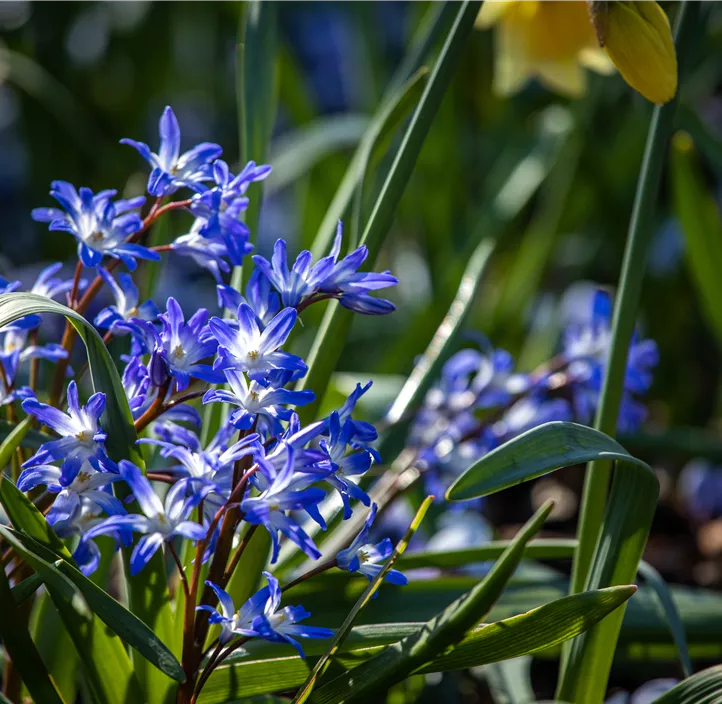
{"x": 627, "y": 302}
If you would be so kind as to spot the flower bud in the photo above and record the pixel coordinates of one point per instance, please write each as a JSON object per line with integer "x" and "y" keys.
{"x": 637, "y": 37}
{"x": 158, "y": 369}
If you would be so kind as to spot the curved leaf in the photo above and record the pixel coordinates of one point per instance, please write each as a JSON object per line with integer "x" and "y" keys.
{"x": 121, "y": 621}
{"x": 702, "y": 688}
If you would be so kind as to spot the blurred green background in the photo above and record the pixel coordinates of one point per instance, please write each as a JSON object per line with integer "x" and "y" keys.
{"x": 550, "y": 180}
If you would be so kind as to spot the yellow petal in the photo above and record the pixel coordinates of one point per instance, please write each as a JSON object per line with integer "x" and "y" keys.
{"x": 491, "y": 11}
{"x": 512, "y": 68}
{"x": 596, "y": 60}
{"x": 638, "y": 39}
{"x": 565, "y": 77}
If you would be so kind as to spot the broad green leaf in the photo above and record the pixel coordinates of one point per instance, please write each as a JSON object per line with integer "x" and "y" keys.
{"x": 624, "y": 530}
{"x": 701, "y": 688}
{"x": 536, "y": 630}
{"x": 293, "y": 155}
{"x": 23, "y": 653}
{"x": 148, "y": 590}
{"x": 446, "y": 629}
{"x": 121, "y": 621}
{"x": 328, "y": 344}
{"x": 671, "y": 613}
{"x": 535, "y": 453}
{"x": 338, "y": 639}
{"x": 697, "y": 212}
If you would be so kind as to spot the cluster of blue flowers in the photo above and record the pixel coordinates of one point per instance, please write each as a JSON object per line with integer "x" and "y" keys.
{"x": 261, "y": 462}
{"x": 480, "y": 402}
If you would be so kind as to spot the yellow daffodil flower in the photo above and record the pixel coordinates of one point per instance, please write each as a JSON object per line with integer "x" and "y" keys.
{"x": 556, "y": 40}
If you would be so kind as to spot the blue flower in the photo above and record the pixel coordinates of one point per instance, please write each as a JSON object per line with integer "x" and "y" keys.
{"x": 362, "y": 430}
{"x": 261, "y": 617}
{"x": 220, "y": 209}
{"x": 361, "y": 556}
{"x": 261, "y": 298}
{"x": 100, "y": 225}
{"x": 247, "y": 349}
{"x": 81, "y": 438}
{"x": 160, "y": 522}
{"x": 126, "y": 305}
{"x": 299, "y": 282}
{"x": 171, "y": 169}
{"x": 352, "y": 287}
{"x": 256, "y": 402}
{"x": 281, "y": 491}
{"x": 335, "y": 466}
{"x": 183, "y": 345}
{"x": 209, "y": 254}
{"x": 87, "y": 485}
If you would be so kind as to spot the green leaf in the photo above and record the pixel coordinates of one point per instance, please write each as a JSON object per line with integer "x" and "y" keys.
{"x": 702, "y": 688}
{"x": 536, "y": 630}
{"x": 338, "y": 639}
{"x": 535, "y": 453}
{"x": 23, "y": 653}
{"x": 148, "y": 590}
{"x": 510, "y": 681}
{"x": 444, "y": 630}
{"x": 25, "y": 589}
{"x": 328, "y": 344}
{"x": 697, "y": 212}
{"x": 33, "y": 438}
{"x": 669, "y": 608}
{"x": 624, "y": 529}
{"x": 121, "y": 621}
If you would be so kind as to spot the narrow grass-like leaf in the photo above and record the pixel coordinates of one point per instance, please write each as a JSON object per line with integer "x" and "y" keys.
{"x": 608, "y": 553}
{"x": 697, "y": 212}
{"x": 23, "y": 653}
{"x": 329, "y": 341}
{"x": 121, "y": 621}
{"x": 444, "y": 630}
{"x": 320, "y": 667}
{"x": 702, "y": 688}
{"x": 671, "y": 613}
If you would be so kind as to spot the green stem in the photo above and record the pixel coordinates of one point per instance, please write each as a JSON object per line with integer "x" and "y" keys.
{"x": 625, "y": 311}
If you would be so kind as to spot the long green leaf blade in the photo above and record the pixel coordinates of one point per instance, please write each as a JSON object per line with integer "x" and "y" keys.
{"x": 702, "y": 688}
